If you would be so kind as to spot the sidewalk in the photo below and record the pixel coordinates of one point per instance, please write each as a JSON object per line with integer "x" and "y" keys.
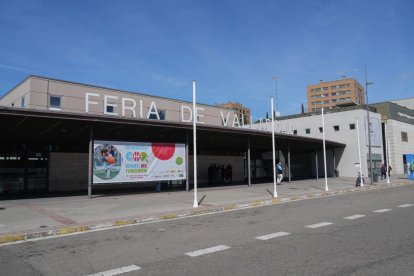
{"x": 26, "y": 219}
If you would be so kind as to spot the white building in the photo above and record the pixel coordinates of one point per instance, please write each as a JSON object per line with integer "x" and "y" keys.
{"x": 341, "y": 126}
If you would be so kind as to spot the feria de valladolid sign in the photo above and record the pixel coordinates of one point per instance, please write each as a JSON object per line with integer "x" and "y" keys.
{"x": 135, "y": 108}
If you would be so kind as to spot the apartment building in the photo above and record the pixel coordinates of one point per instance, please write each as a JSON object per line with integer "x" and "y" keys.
{"x": 329, "y": 95}
{"x": 242, "y": 112}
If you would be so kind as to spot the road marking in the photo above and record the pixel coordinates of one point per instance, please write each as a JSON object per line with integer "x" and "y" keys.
{"x": 354, "y": 217}
{"x": 405, "y": 205}
{"x": 117, "y": 271}
{"x": 382, "y": 210}
{"x": 271, "y": 236}
{"x": 207, "y": 250}
{"x": 321, "y": 224}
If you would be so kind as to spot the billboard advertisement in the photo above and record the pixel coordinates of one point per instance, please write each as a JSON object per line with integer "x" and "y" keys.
{"x": 136, "y": 162}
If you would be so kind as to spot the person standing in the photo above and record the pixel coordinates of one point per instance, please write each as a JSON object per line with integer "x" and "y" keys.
{"x": 383, "y": 171}
{"x": 279, "y": 173}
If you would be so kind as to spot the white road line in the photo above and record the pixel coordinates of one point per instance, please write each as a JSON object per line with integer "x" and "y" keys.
{"x": 382, "y": 210}
{"x": 207, "y": 250}
{"x": 271, "y": 236}
{"x": 405, "y": 205}
{"x": 354, "y": 217}
{"x": 117, "y": 271}
{"x": 321, "y": 224}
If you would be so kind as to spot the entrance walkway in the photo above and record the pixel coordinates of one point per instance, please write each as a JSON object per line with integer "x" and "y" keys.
{"x": 26, "y": 219}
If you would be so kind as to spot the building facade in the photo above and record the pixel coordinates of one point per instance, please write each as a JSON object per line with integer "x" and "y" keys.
{"x": 333, "y": 93}
{"x": 51, "y": 125}
{"x": 398, "y": 134}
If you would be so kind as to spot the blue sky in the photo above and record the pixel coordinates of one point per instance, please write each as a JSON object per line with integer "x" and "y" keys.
{"x": 231, "y": 47}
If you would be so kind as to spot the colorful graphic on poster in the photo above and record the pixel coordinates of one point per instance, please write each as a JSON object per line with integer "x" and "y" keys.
{"x": 136, "y": 162}
{"x": 410, "y": 165}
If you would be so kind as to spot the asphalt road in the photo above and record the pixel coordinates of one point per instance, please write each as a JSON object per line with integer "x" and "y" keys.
{"x": 365, "y": 233}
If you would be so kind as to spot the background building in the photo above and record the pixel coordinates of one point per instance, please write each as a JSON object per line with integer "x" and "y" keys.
{"x": 341, "y": 126}
{"x": 331, "y": 94}
{"x": 243, "y": 113}
{"x": 398, "y": 133}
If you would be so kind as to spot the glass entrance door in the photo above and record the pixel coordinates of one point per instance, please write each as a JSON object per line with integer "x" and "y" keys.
{"x": 23, "y": 170}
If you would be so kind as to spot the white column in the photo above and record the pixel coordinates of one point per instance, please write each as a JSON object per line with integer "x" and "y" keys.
{"x": 359, "y": 154}
{"x": 195, "y": 205}
{"x": 273, "y": 149}
{"x": 248, "y": 163}
{"x": 387, "y": 144}
{"x": 324, "y": 151}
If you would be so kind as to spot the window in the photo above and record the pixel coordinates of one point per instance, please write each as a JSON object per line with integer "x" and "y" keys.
{"x": 336, "y": 128}
{"x": 109, "y": 109}
{"x": 307, "y": 131}
{"x": 404, "y": 136}
{"x": 351, "y": 126}
{"x": 161, "y": 114}
{"x": 22, "y": 102}
{"x": 54, "y": 102}
{"x": 320, "y": 129}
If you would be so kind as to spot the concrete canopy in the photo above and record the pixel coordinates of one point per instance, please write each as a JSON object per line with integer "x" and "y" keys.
{"x": 71, "y": 132}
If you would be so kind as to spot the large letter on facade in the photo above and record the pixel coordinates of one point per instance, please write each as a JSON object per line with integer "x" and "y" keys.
{"x": 224, "y": 121}
{"x": 153, "y": 110}
{"x": 189, "y": 110}
{"x": 88, "y": 102}
{"x": 132, "y": 107}
{"x": 198, "y": 115}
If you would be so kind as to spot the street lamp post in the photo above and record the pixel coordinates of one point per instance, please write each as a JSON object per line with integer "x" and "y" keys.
{"x": 371, "y": 175}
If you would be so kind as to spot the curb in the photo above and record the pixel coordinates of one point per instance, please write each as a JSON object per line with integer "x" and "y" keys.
{"x": 169, "y": 216}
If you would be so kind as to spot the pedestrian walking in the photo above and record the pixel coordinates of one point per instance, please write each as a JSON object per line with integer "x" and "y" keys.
{"x": 279, "y": 173}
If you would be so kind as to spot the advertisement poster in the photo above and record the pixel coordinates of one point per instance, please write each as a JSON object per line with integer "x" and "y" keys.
{"x": 135, "y": 162}
{"x": 375, "y": 131}
{"x": 410, "y": 165}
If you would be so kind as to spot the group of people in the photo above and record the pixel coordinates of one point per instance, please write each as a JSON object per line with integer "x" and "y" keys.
{"x": 220, "y": 174}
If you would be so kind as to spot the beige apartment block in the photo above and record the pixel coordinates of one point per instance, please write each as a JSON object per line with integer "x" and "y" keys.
{"x": 330, "y": 95}
{"x": 242, "y": 112}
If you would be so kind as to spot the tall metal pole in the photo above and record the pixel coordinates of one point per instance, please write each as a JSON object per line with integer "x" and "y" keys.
{"x": 359, "y": 155}
{"x": 324, "y": 151}
{"x": 289, "y": 172}
{"x": 316, "y": 162}
{"x": 277, "y": 102}
{"x": 371, "y": 173}
{"x": 195, "y": 204}
{"x": 187, "y": 177}
{"x": 388, "y": 154}
{"x": 273, "y": 149}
